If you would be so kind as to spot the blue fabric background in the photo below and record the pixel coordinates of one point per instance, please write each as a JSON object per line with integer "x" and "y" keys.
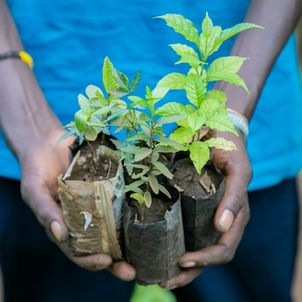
{"x": 69, "y": 39}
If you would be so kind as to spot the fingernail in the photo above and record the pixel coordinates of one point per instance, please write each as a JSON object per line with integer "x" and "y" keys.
{"x": 226, "y": 220}
{"x": 56, "y": 229}
{"x": 188, "y": 264}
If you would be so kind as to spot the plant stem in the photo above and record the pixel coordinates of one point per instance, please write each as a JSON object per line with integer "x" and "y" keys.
{"x": 93, "y": 163}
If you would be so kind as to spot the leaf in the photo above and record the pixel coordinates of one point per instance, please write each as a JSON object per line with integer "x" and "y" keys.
{"x": 199, "y": 154}
{"x": 182, "y": 26}
{"x": 195, "y": 121}
{"x": 221, "y": 143}
{"x": 236, "y": 29}
{"x": 169, "y": 119}
{"x": 148, "y": 199}
{"x": 171, "y": 108}
{"x": 195, "y": 89}
{"x": 93, "y": 91}
{"x": 208, "y": 45}
{"x": 134, "y": 186}
{"x": 216, "y": 94}
{"x": 153, "y": 184}
{"x": 182, "y": 135}
{"x": 164, "y": 190}
{"x": 83, "y": 103}
{"x": 225, "y": 69}
{"x": 135, "y": 81}
{"x": 138, "y": 197}
{"x": 207, "y": 26}
{"x": 90, "y": 133}
{"x": 163, "y": 169}
{"x": 142, "y": 153}
{"x": 172, "y": 80}
{"x": 108, "y": 76}
{"x": 188, "y": 55}
{"x": 80, "y": 119}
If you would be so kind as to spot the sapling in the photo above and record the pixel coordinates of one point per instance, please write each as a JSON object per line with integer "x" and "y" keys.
{"x": 91, "y": 191}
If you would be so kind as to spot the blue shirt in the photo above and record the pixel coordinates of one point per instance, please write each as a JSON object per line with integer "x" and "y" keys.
{"x": 69, "y": 39}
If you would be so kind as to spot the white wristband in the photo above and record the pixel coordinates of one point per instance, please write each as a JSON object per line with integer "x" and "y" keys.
{"x": 240, "y": 121}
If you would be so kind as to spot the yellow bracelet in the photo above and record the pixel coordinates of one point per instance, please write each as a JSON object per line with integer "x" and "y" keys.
{"x": 21, "y": 55}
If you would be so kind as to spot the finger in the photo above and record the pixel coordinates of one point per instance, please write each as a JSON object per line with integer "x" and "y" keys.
{"x": 182, "y": 279}
{"x": 123, "y": 270}
{"x": 95, "y": 262}
{"x": 46, "y": 209}
{"x": 224, "y": 251}
{"x": 237, "y": 180}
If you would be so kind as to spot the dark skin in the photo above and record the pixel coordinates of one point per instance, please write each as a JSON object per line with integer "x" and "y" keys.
{"x": 32, "y": 138}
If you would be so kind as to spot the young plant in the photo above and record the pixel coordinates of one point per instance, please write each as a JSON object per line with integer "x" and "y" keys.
{"x": 207, "y": 108}
{"x": 144, "y": 148}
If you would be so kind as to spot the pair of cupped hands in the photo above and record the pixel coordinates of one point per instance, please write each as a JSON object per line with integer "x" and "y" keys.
{"x": 44, "y": 161}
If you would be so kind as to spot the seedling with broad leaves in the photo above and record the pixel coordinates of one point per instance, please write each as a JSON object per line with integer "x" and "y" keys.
{"x": 207, "y": 108}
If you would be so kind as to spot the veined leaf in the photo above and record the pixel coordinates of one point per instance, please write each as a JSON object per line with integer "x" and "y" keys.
{"x": 135, "y": 81}
{"x": 163, "y": 169}
{"x": 164, "y": 191}
{"x": 148, "y": 199}
{"x": 170, "y": 81}
{"x": 80, "y": 119}
{"x": 142, "y": 153}
{"x": 225, "y": 69}
{"x": 188, "y": 55}
{"x": 195, "y": 121}
{"x": 182, "y": 26}
{"x": 207, "y": 25}
{"x": 216, "y": 94}
{"x": 84, "y": 103}
{"x": 93, "y": 91}
{"x": 153, "y": 184}
{"x": 90, "y": 133}
{"x": 108, "y": 76}
{"x": 221, "y": 143}
{"x": 208, "y": 45}
{"x": 195, "y": 89}
{"x": 182, "y": 135}
{"x": 199, "y": 154}
{"x": 172, "y": 108}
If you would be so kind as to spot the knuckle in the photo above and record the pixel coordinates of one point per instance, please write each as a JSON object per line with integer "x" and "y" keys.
{"x": 228, "y": 254}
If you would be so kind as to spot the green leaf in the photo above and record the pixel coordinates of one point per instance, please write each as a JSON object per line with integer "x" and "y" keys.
{"x": 108, "y": 76}
{"x": 138, "y": 197}
{"x": 164, "y": 191}
{"x": 236, "y": 29}
{"x": 163, "y": 169}
{"x": 135, "y": 81}
{"x": 182, "y": 26}
{"x": 170, "y": 81}
{"x": 172, "y": 108}
{"x": 216, "y": 94}
{"x": 134, "y": 186}
{"x": 195, "y": 121}
{"x": 195, "y": 89}
{"x": 188, "y": 55}
{"x": 148, "y": 199}
{"x": 153, "y": 184}
{"x": 142, "y": 153}
{"x": 182, "y": 135}
{"x": 208, "y": 45}
{"x": 80, "y": 120}
{"x": 225, "y": 69}
{"x": 221, "y": 143}
{"x": 93, "y": 91}
{"x": 199, "y": 154}
{"x": 83, "y": 103}
{"x": 207, "y": 26}
{"x": 90, "y": 133}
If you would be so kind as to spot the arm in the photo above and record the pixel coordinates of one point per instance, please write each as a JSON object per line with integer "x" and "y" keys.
{"x": 279, "y": 18}
{"x": 32, "y": 130}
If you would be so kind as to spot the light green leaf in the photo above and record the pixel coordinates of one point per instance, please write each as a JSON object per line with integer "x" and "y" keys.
{"x": 208, "y": 45}
{"x": 164, "y": 191}
{"x": 153, "y": 184}
{"x": 188, "y": 55}
{"x": 199, "y": 154}
{"x": 134, "y": 186}
{"x": 80, "y": 120}
{"x": 195, "y": 121}
{"x": 182, "y": 135}
{"x": 172, "y": 108}
{"x": 138, "y": 197}
{"x": 108, "y": 76}
{"x": 207, "y": 26}
{"x": 90, "y": 133}
{"x": 221, "y": 143}
{"x": 163, "y": 169}
{"x": 182, "y": 26}
{"x": 225, "y": 69}
{"x": 195, "y": 89}
{"x": 142, "y": 153}
{"x": 170, "y": 81}
{"x": 135, "y": 81}
{"x": 216, "y": 94}
{"x": 148, "y": 199}
{"x": 93, "y": 91}
{"x": 83, "y": 103}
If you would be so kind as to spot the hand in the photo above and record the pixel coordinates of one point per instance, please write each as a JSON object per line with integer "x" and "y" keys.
{"x": 41, "y": 165}
{"x": 231, "y": 216}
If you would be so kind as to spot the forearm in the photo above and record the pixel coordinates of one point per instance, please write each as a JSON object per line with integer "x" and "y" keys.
{"x": 25, "y": 117}
{"x": 279, "y": 18}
